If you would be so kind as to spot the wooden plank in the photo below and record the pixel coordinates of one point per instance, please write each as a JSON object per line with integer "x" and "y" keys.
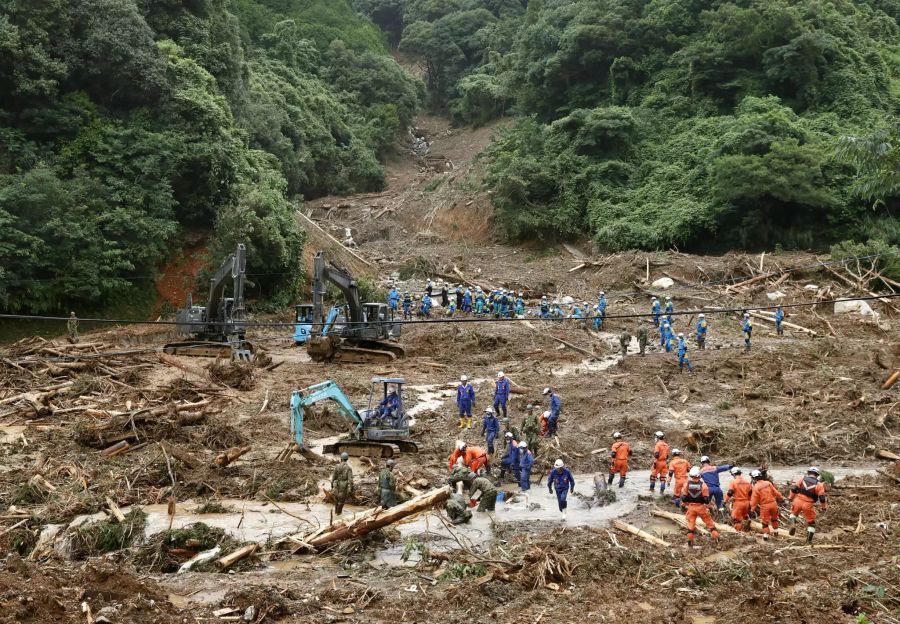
{"x": 624, "y": 526}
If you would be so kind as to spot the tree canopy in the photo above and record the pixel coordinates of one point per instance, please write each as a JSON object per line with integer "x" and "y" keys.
{"x": 652, "y": 123}
{"x": 126, "y": 123}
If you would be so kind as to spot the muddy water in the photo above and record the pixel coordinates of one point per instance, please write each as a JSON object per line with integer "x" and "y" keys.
{"x": 431, "y": 397}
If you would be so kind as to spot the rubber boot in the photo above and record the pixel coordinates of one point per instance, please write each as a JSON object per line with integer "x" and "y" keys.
{"x": 612, "y": 476}
{"x": 690, "y": 542}
{"x": 662, "y": 488}
{"x": 621, "y": 482}
{"x": 653, "y": 486}
{"x": 563, "y": 514}
{"x": 810, "y": 531}
{"x": 765, "y": 537}
{"x": 470, "y": 422}
{"x": 462, "y": 422}
{"x": 793, "y": 528}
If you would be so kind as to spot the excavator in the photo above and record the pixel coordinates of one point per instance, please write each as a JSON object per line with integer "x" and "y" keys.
{"x": 381, "y": 430}
{"x": 219, "y": 326}
{"x": 364, "y": 336}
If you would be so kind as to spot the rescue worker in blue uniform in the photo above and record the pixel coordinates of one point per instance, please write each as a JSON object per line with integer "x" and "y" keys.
{"x": 656, "y": 309}
{"x": 563, "y": 482}
{"x": 520, "y": 305}
{"x": 545, "y": 308}
{"x": 467, "y": 301}
{"x": 490, "y": 429}
{"x": 702, "y": 329}
{"x": 555, "y": 405}
{"x": 670, "y": 309}
{"x": 747, "y": 328}
{"x": 709, "y": 472}
{"x": 511, "y": 460}
{"x": 393, "y": 298}
{"x": 779, "y": 317}
{"x": 526, "y": 461}
{"x": 601, "y": 304}
{"x": 465, "y": 398}
{"x": 682, "y": 355}
{"x": 407, "y": 306}
{"x": 501, "y": 393}
{"x": 425, "y": 310}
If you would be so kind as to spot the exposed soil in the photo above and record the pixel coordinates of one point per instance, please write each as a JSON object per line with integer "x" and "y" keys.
{"x": 791, "y": 402}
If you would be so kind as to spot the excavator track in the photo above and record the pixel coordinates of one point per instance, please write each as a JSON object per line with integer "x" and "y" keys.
{"x": 196, "y": 348}
{"x": 359, "y": 355}
{"x": 327, "y": 349}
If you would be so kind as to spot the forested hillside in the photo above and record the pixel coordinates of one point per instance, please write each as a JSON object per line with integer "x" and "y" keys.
{"x": 650, "y": 123}
{"x": 126, "y": 123}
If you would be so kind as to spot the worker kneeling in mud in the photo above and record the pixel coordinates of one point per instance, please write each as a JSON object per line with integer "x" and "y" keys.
{"x": 484, "y": 492}
{"x": 457, "y": 509}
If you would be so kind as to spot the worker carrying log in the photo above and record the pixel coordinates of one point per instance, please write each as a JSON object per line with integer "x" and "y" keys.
{"x": 695, "y": 500}
{"x": 387, "y": 485}
{"x": 804, "y": 494}
{"x": 341, "y": 484}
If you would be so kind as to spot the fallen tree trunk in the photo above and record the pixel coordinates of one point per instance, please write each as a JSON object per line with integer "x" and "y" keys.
{"x": 891, "y": 381}
{"x": 241, "y": 553}
{"x": 378, "y": 518}
{"x": 886, "y": 454}
{"x": 576, "y": 348}
{"x": 624, "y": 526}
{"x": 785, "y": 323}
{"x": 225, "y": 458}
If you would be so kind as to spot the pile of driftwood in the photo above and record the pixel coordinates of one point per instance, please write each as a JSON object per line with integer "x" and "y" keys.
{"x": 40, "y": 378}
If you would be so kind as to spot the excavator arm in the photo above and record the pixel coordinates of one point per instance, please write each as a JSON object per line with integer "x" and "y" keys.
{"x": 324, "y": 273}
{"x": 324, "y": 391}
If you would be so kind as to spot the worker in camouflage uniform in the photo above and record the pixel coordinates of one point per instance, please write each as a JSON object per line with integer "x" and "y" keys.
{"x": 642, "y": 338}
{"x": 624, "y": 341}
{"x": 457, "y": 509}
{"x": 487, "y": 500}
{"x": 531, "y": 428}
{"x": 72, "y": 326}
{"x": 460, "y": 474}
{"x": 387, "y": 485}
{"x": 341, "y": 484}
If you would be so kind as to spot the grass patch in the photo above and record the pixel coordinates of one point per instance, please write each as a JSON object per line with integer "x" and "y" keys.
{"x": 213, "y": 507}
{"x": 27, "y": 494}
{"x": 108, "y": 536}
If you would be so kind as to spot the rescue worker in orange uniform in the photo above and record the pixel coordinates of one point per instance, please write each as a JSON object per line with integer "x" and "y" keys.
{"x": 678, "y": 468}
{"x": 458, "y": 452}
{"x": 739, "y": 492}
{"x": 695, "y": 499}
{"x": 660, "y": 463}
{"x": 619, "y": 454}
{"x": 804, "y": 495}
{"x": 767, "y": 497}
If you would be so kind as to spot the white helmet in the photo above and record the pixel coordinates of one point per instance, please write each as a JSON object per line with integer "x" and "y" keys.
{"x": 701, "y": 315}
{"x": 523, "y": 444}
{"x": 676, "y": 452}
{"x": 617, "y": 435}
{"x": 659, "y": 434}
{"x": 558, "y": 463}
{"x": 655, "y": 297}
{"x": 509, "y": 434}
{"x": 520, "y": 294}
{"x": 680, "y": 335}
{"x": 735, "y": 471}
{"x": 546, "y": 390}
{"x": 694, "y": 472}
{"x": 547, "y": 414}
{"x": 460, "y": 445}
{"x": 668, "y": 298}
{"x": 755, "y": 474}
{"x": 666, "y": 324}
{"x": 813, "y": 470}
{"x": 500, "y": 374}
{"x": 746, "y": 315}
{"x": 489, "y": 410}
{"x": 544, "y": 298}
{"x": 463, "y": 378}
{"x": 602, "y": 294}
{"x": 704, "y": 459}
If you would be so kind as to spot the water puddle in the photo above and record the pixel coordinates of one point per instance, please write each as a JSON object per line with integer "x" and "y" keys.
{"x": 431, "y": 397}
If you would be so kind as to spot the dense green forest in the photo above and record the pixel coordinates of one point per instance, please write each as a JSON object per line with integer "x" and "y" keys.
{"x": 703, "y": 124}
{"x": 126, "y": 125}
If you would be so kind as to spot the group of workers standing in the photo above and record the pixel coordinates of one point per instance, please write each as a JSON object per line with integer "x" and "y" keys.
{"x": 499, "y": 303}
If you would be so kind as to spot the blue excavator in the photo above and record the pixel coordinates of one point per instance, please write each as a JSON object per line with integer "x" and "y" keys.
{"x": 380, "y": 430}
{"x": 303, "y": 327}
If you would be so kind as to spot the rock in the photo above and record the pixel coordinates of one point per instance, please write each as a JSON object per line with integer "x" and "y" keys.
{"x": 664, "y": 283}
{"x": 862, "y": 307}
{"x": 250, "y": 614}
{"x": 811, "y": 287}
{"x": 775, "y": 295}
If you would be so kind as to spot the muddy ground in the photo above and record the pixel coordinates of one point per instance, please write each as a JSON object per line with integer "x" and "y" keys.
{"x": 791, "y": 402}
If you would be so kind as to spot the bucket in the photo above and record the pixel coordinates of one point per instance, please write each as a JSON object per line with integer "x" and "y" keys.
{"x": 500, "y": 496}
